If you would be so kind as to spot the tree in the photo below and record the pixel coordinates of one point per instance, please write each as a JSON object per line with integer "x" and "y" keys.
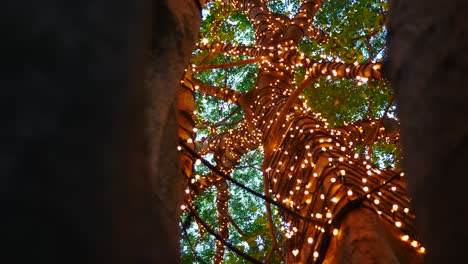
{"x": 334, "y": 203}
{"x": 430, "y": 88}
{"x": 77, "y": 185}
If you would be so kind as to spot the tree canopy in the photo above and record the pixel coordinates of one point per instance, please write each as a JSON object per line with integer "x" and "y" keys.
{"x": 313, "y": 69}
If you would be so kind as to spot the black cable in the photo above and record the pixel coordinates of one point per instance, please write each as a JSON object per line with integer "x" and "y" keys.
{"x": 249, "y": 190}
{"x": 191, "y": 246}
{"x": 219, "y": 238}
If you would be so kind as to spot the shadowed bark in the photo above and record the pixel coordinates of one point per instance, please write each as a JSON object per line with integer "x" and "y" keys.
{"x": 80, "y": 181}
{"x": 428, "y": 66}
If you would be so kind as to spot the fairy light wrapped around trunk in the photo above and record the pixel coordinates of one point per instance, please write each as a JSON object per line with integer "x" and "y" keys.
{"x": 310, "y": 168}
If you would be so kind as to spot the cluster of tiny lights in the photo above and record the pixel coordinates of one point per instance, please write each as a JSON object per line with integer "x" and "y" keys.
{"x": 312, "y": 169}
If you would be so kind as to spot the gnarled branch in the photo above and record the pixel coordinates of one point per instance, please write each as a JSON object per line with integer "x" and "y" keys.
{"x": 225, "y": 94}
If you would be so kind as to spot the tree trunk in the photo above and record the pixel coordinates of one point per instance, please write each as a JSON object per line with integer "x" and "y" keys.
{"x": 428, "y": 55}
{"x": 77, "y": 185}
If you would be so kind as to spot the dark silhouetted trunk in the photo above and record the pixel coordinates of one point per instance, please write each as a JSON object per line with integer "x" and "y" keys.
{"x": 81, "y": 182}
{"x": 428, "y": 52}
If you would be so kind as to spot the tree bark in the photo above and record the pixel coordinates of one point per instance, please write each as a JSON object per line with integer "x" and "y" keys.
{"x": 428, "y": 54}
{"x": 77, "y": 185}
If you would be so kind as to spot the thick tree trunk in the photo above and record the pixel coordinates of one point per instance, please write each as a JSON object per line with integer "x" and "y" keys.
{"x": 365, "y": 238}
{"x": 174, "y": 31}
{"x": 428, "y": 52}
{"x": 77, "y": 185}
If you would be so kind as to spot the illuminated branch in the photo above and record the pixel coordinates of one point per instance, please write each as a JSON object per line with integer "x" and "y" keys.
{"x": 260, "y": 15}
{"x": 226, "y": 65}
{"x": 303, "y": 19}
{"x": 222, "y": 197}
{"x": 307, "y": 11}
{"x": 317, "y": 35}
{"x": 229, "y": 49}
{"x": 367, "y": 131}
{"x": 227, "y": 95}
{"x": 223, "y": 122}
{"x": 235, "y": 3}
{"x": 200, "y": 184}
{"x": 271, "y": 224}
{"x": 362, "y": 72}
{"x": 228, "y": 147}
{"x": 186, "y": 126}
{"x": 345, "y": 70}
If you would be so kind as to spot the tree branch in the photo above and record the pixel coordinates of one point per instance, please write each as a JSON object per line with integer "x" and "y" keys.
{"x": 271, "y": 225}
{"x": 234, "y": 224}
{"x": 316, "y": 34}
{"x": 222, "y": 197}
{"x": 228, "y": 147}
{"x": 227, "y": 65}
{"x": 225, "y": 94}
{"x": 229, "y": 49}
{"x": 368, "y": 131}
{"x": 344, "y": 70}
{"x": 187, "y": 238}
{"x": 302, "y": 21}
{"x": 379, "y": 124}
{"x": 260, "y": 15}
{"x": 220, "y": 239}
{"x": 223, "y": 122}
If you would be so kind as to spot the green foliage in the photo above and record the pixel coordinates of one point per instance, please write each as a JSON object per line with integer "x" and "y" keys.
{"x": 356, "y": 29}
{"x": 222, "y": 23}
{"x": 344, "y": 101}
{"x": 246, "y": 210}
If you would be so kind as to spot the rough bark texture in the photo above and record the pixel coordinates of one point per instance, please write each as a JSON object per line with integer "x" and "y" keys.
{"x": 428, "y": 52}
{"x": 174, "y": 33}
{"x": 364, "y": 238}
{"x": 76, "y": 181}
